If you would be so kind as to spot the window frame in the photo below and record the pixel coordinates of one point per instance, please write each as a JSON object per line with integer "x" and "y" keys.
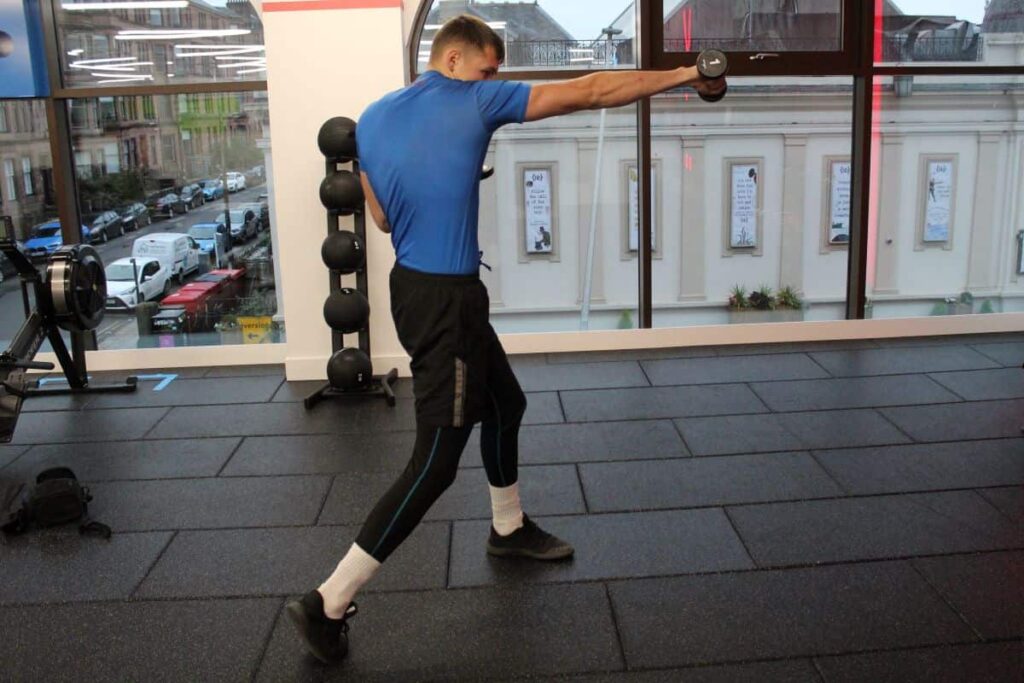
{"x": 747, "y": 63}
{"x": 28, "y": 185}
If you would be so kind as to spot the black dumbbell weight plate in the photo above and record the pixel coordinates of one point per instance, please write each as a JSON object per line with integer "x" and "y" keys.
{"x": 712, "y": 64}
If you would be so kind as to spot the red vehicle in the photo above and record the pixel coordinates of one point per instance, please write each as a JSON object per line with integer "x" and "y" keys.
{"x": 206, "y": 298}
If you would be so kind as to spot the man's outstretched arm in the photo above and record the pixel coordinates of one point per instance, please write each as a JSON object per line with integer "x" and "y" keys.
{"x": 610, "y": 89}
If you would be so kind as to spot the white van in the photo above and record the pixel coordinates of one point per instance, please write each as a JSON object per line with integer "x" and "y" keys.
{"x": 178, "y": 252}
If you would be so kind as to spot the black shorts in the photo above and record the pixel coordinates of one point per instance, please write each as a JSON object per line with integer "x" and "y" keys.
{"x": 442, "y": 322}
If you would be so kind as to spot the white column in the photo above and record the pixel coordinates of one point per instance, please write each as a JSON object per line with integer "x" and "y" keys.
{"x": 692, "y": 285}
{"x": 890, "y": 200}
{"x": 325, "y": 58}
{"x": 987, "y": 236}
{"x": 791, "y": 259}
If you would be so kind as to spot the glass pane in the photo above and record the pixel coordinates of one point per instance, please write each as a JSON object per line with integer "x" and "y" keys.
{"x": 180, "y": 182}
{"x": 548, "y": 34}
{"x": 177, "y": 42}
{"x": 977, "y": 32}
{"x": 752, "y": 203}
{"x": 26, "y": 195}
{"x": 946, "y": 225}
{"x": 539, "y": 213}
{"x": 753, "y": 25}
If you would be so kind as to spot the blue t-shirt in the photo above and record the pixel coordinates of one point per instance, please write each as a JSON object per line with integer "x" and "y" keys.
{"x": 422, "y": 148}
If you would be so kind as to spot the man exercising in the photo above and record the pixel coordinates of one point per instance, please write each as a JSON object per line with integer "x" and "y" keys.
{"x": 421, "y": 149}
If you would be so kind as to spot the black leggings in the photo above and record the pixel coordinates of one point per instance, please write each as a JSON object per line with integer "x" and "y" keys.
{"x": 435, "y": 462}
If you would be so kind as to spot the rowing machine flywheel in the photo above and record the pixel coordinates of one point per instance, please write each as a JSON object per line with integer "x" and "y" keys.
{"x": 78, "y": 287}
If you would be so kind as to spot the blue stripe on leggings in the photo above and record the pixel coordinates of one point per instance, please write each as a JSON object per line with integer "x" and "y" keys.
{"x": 497, "y": 411}
{"x": 414, "y": 487}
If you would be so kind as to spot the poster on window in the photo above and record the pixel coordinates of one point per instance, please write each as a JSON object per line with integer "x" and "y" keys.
{"x": 938, "y": 201}
{"x": 537, "y": 195}
{"x": 839, "y": 203}
{"x": 22, "y": 58}
{"x": 743, "y": 221}
{"x": 634, "y": 206}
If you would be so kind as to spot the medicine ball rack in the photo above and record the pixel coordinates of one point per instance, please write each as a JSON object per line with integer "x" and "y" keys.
{"x": 350, "y": 370}
{"x": 70, "y": 296}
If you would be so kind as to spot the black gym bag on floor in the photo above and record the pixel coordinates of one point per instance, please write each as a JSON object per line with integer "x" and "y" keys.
{"x": 56, "y": 498}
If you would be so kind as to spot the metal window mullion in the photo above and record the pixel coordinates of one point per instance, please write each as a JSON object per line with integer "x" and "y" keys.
{"x": 644, "y": 52}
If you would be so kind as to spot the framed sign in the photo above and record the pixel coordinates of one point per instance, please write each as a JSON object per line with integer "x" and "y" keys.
{"x": 837, "y": 225}
{"x": 1020, "y": 253}
{"x": 538, "y": 211}
{"x": 938, "y": 201}
{"x": 743, "y": 199}
{"x": 631, "y": 206}
{"x": 537, "y": 193}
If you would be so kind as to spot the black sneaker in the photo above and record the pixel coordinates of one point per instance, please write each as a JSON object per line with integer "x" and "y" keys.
{"x": 326, "y": 638}
{"x": 530, "y": 541}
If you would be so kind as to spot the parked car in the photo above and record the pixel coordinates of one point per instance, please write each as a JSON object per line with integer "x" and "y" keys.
{"x": 103, "y": 226}
{"x": 45, "y": 238}
{"x": 213, "y": 239}
{"x": 190, "y": 196}
{"x": 235, "y": 181}
{"x": 177, "y": 252}
{"x": 242, "y": 224}
{"x": 130, "y": 281}
{"x": 134, "y": 216}
{"x": 213, "y": 188}
{"x": 262, "y": 212}
{"x": 167, "y": 204}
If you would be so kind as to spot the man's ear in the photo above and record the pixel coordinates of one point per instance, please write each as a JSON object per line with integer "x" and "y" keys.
{"x": 451, "y": 59}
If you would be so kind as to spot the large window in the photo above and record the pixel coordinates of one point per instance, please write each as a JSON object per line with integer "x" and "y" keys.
{"x": 26, "y": 191}
{"x": 960, "y": 32}
{"x": 757, "y": 204}
{"x": 752, "y": 215}
{"x": 947, "y": 220}
{"x": 549, "y": 35}
{"x": 32, "y": 211}
{"x": 753, "y": 25}
{"x": 559, "y": 188}
{"x": 201, "y": 214}
{"x": 195, "y": 42}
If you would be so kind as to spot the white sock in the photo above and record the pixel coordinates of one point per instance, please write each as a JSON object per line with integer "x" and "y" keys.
{"x": 354, "y": 570}
{"x": 508, "y": 513}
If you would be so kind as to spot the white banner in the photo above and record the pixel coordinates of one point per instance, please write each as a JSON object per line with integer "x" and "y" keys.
{"x": 839, "y": 203}
{"x": 743, "y": 225}
{"x": 938, "y": 200}
{"x": 634, "y": 205}
{"x": 537, "y": 194}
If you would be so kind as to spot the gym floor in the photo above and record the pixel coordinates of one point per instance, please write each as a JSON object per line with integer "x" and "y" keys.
{"x": 823, "y": 512}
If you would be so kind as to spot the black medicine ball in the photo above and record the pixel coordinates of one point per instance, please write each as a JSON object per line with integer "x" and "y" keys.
{"x": 343, "y": 251}
{"x": 349, "y": 369}
{"x": 347, "y": 310}
{"x": 341, "y": 192}
{"x": 337, "y": 139}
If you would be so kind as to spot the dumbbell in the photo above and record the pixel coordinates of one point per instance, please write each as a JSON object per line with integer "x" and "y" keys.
{"x": 712, "y": 64}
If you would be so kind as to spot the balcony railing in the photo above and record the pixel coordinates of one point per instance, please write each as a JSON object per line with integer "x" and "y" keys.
{"x": 903, "y": 47}
{"x": 547, "y": 54}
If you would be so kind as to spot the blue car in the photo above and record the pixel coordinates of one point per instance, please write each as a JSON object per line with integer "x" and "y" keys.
{"x": 213, "y": 239}
{"x": 45, "y": 238}
{"x": 213, "y": 188}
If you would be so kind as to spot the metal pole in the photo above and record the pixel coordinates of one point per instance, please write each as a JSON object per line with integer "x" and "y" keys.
{"x": 589, "y": 277}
